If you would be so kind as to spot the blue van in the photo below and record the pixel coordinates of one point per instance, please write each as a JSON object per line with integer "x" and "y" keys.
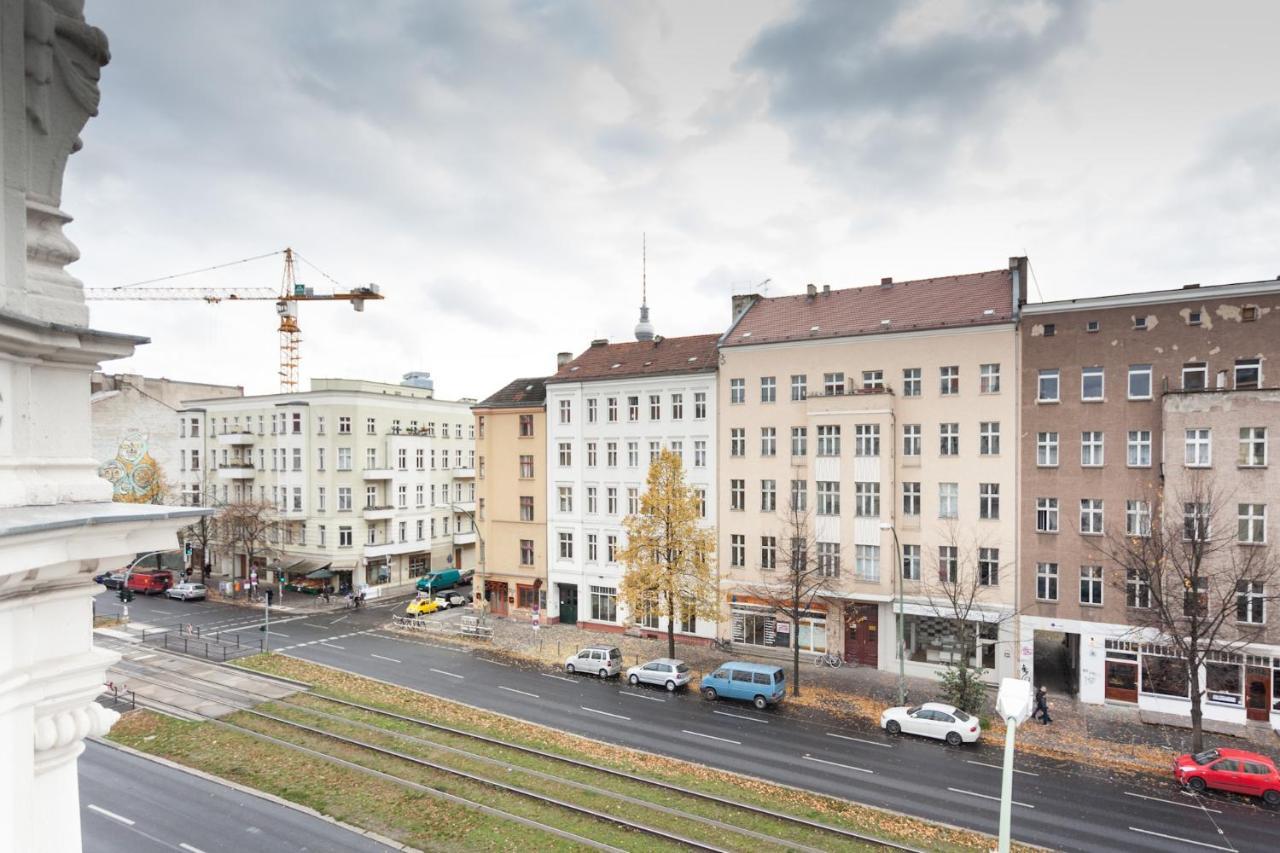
{"x": 436, "y": 581}
{"x": 761, "y": 684}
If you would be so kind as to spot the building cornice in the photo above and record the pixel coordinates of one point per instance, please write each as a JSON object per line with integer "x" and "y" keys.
{"x": 1156, "y": 297}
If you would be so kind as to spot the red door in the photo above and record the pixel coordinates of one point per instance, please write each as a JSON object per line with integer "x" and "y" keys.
{"x": 495, "y": 592}
{"x": 861, "y": 635}
{"x": 1257, "y": 691}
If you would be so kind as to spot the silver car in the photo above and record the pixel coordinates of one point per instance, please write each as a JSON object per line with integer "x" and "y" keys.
{"x": 187, "y": 591}
{"x": 604, "y": 661}
{"x": 665, "y": 672}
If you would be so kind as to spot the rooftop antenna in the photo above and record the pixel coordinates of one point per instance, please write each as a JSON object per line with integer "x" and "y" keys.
{"x": 644, "y": 329}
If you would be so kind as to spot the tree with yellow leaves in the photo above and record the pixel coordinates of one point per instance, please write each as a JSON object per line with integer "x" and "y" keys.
{"x": 669, "y": 555}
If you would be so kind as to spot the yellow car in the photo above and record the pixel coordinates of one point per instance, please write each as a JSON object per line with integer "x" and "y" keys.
{"x": 421, "y": 607}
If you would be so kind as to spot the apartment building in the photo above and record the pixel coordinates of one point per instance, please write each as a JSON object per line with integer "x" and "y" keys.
{"x": 609, "y": 413}
{"x": 371, "y": 481}
{"x": 511, "y": 491}
{"x": 888, "y": 416}
{"x": 1126, "y": 400}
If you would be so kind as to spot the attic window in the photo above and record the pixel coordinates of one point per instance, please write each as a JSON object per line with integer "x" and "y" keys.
{"x": 572, "y": 369}
{"x": 746, "y": 334}
{"x": 884, "y": 322}
{"x": 1249, "y": 313}
{"x": 693, "y": 358}
{"x": 814, "y": 328}
{"x": 1193, "y": 318}
{"x": 1091, "y": 326}
{"x": 1140, "y": 322}
{"x": 648, "y": 364}
{"x": 530, "y": 387}
{"x": 987, "y": 312}
{"x": 1050, "y": 330}
{"x": 615, "y": 366}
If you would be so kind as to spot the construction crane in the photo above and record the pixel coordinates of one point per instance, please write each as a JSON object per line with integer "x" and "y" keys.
{"x": 286, "y": 299}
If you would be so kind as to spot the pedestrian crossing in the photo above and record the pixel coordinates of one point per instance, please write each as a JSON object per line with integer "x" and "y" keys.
{"x": 324, "y": 640}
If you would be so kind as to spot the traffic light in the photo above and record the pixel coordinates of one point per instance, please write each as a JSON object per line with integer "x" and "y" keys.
{"x": 125, "y": 594}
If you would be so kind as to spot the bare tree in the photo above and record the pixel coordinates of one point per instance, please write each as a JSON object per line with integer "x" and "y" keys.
{"x": 1189, "y": 584}
{"x": 249, "y": 528}
{"x": 205, "y": 533}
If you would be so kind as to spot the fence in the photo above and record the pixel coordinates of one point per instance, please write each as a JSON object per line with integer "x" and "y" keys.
{"x": 188, "y": 641}
{"x": 468, "y": 626}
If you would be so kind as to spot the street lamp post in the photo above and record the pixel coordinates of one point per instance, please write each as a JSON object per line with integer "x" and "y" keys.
{"x": 902, "y": 652}
{"x": 475, "y": 528}
{"x": 1013, "y": 704}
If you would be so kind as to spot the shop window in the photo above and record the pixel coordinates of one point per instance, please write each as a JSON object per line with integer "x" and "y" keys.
{"x": 1163, "y": 676}
{"x": 1223, "y": 683}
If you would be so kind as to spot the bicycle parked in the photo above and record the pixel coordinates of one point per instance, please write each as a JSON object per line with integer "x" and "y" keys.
{"x": 828, "y": 659}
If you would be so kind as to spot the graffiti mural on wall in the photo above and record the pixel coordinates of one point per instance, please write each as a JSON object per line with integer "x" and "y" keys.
{"x": 134, "y": 475}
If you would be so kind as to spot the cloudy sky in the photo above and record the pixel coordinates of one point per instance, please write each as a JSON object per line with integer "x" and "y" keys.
{"x": 492, "y": 166}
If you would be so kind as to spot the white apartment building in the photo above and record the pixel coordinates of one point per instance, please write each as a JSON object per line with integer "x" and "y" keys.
{"x": 609, "y": 413}
{"x": 373, "y": 481}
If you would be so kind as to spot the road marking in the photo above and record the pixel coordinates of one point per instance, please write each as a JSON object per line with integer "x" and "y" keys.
{"x": 989, "y": 797}
{"x": 332, "y": 646}
{"x": 380, "y": 657}
{"x": 496, "y": 662}
{"x": 808, "y": 757}
{"x": 998, "y": 767}
{"x": 521, "y": 692}
{"x": 277, "y": 634}
{"x": 861, "y": 740}
{"x": 604, "y": 713}
{"x": 450, "y": 674}
{"x": 741, "y": 717}
{"x": 143, "y": 657}
{"x": 641, "y": 696}
{"x": 111, "y": 815}
{"x": 1170, "y": 837}
{"x": 1197, "y": 806}
{"x": 336, "y": 621}
{"x": 185, "y": 846}
{"x": 711, "y": 737}
{"x": 557, "y": 677}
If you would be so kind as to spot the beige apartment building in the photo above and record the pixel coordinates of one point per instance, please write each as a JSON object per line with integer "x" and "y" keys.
{"x": 511, "y": 486}
{"x": 890, "y": 414}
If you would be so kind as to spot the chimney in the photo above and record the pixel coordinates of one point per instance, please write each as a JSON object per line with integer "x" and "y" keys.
{"x": 1018, "y": 283}
{"x": 826, "y": 290}
{"x": 1190, "y": 286}
{"x": 812, "y": 290}
{"x": 742, "y": 302}
{"x": 563, "y": 358}
{"x": 887, "y": 281}
{"x": 600, "y": 342}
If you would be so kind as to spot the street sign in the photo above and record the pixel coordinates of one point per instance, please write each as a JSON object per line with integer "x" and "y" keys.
{"x": 536, "y": 619}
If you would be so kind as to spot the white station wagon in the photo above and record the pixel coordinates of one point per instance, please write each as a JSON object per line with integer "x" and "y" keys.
{"x": 932, "y": 719}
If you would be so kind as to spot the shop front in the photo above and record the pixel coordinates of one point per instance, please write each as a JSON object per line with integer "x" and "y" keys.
{"x": 761, "y": 627}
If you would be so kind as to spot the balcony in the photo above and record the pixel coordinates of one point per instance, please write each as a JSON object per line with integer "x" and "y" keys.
{"x": 464, "y": 473}
{"x": 379, "y": 473}
{"x": 463, "y": 506}
{"x": 379, "y": 513}
{"x": 236, "y": 471}
{"x": 467, "y": 538}
{"x": 236, "y": 439}
{"x": 391, "y": 549}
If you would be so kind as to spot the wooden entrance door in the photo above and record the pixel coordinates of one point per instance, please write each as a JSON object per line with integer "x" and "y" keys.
{"x": 1122, "y": 681}
{"x": 862, "y": 636}
{"x": 568, "y": 603}
{"x": 495, "y": 593}
{"x": 1257, "y": 693}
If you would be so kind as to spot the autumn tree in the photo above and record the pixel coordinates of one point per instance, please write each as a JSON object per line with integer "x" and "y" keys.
{"x": 669, "y": 555}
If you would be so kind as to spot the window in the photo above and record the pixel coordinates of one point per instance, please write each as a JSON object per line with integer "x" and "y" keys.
{"x": 911, "y": 439}
{"x": 1047, "y": 581}
{"x": 828, "y": 440}
{"x": 344, "y": 498}
{"x": 1253, "y": 447}
{"x": 799, "y": 441}
{"x": 1050, "y": 329}
{"x": 1137, "y": 592}
{"x": 768, "y": 441}
{"x": 566, "y": 544}
{"x": 737, "y": 390}
{"x": 297, "y": 458}
{"x": 1252, "y": 524}
{"x": 1139, "y": 448}
{"x": 989, "y": 500}
{"x": 633, "y": 408}
{"x": 195, "y": 459}
{"x": 949, "y": 380}
{"x": 566, "y": 411}
{"x": 633, "y": 500}
{"x": 911, "y": 382}
{"x": 948, "y": 564}
{"x": 1195, "y": 376}
{"x": 1139, "y": 382}
{"x": 604, "y": 604}
{"x": 677, "y": 407}
{"x": 829, "y": 559}
{"x": 1195, "y": 522}
{"x": 866, "y": 564}
{"x": 873, "y": 380}
{"x": 1195, "y": 600}
{"x": 866, "y": 499}
{"x": 610, "y": 548}
{"x": 799, "y": 387}
{"x": 592, "y": 456}
{"x": 611, "y": 500}
{"x": 1198, "y": 448}
{"x": 677, "y": 448}
{"x": 1047, "y": 387}
{"x": 526, "y": 508}
{"x": 989, "y": 438}
{"x": 633, "y": 454}
{"x": 402, "y": 497}
{"x": 911, "y": 562}
{"x": 1047, "y": 449}
{"x": 593, "y": 410}
{"x": 1140, "y": 323}
{"x": 989, "y": 379}
{"x": 768, "y": 389}
{"x": 866, "y": 440}
{"x": 344, "y": 537}
{"x": 699, "y": 453}
{"x": 370, "y": 496}
{"x": 1137, "y": 518}
{"x": 1091, "y": 585}
{"x": 949, "y": 439}
{"x": 611, "y": 409}
{"x": 768, "y": 495}
{"x": 1091, "y": 516}
{"x": 832, "y": 384}
{"x": 1193, "y": 318}
{"x": 611, "y": 454}
{"x": 564, "y": 495}
{"x": 566, "y": 454}
{"x": 700, "y": 405}
{"x": 655, "y": 407}
{"x": 1046, "y": 515}
{"x": 1091, "y": 448}
{"x": 828, "y": 497}
{"x": 344, "y": 425}
{"x": 737, "y": 494}
{"x": 910, "y": 498}
{"x": 988, "y": 566}
{"x": 948, "y": 500}
{"x": 768, "y": 552}
{"x": 737, "y": 550}
{"x": 737, "y": 441}
{"x": 1251, "y": 602}
{"x": 1248, "y": 372}
{"x": 800, "y": 495}
{"x": 526, "y": 467}
{"x": 1091, "y": 384}
{"x": 700, "y": 497}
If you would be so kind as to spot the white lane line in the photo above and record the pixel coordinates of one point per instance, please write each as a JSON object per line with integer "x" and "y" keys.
{"x": 989, "y": 797}
{"x": 492, "y": 661}
{"x": 998, "y": 767}
{"x": 711, "y": 737}
{"x": 100, "y": 810}
{"x": 143, "y": 657}
{"x": 1196, "y": 805}
{"x": 741, "y": 717}
{"x": 837, "y": 764}
{"x": 333, "y": 646}
{"x": 604, "y": 713}
{"x": 557, "y": 677}
{"x": 380, "y": 657}
{"x": 450, "y": 674}
{"x": 278, "y": 634}
{"x": 1174, "y": 838}
{"x": 861, "y": 740}
{"x": 641, "y": 696}
{"x": 336, "y": 621}
{"x": 521, "y": 692}
{"x": 185, "y": 846}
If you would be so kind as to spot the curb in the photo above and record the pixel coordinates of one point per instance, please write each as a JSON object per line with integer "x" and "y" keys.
{"x": 262, "y": 795}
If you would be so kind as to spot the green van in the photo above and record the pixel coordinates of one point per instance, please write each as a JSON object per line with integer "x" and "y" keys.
{"x": 436, "y": 581}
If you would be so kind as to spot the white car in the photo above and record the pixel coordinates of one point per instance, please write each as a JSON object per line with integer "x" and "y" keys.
{"x": 604, "y": 661}
{"x": 187, "y": 591}
{"x": 664, "y": 672}
{"x": 932, "y": 719}
{"x": 450, "y": 599}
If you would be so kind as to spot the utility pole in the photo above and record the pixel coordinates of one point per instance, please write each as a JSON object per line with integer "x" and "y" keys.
{"x": 902, "y": 651}
{"x": 1013, "y": 703}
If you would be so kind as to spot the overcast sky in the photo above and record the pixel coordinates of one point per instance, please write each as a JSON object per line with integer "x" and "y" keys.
{"x": 492, "y": 166}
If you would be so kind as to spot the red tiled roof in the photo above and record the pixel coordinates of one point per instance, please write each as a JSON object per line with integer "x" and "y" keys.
{"x": 518, "y": 393}
{"x": 931, "y": 303}
{"x": 659, "y": 357}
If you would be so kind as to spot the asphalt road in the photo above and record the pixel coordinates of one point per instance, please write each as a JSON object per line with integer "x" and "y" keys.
{"x": 1057, "y": 804}
{"x": 133, "y": 805}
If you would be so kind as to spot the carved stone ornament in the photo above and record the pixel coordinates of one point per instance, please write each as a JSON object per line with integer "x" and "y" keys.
{"x": 59, "y": 735}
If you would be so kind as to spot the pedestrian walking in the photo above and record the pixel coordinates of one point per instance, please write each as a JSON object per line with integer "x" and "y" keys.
{"x": 1042, "y": 707}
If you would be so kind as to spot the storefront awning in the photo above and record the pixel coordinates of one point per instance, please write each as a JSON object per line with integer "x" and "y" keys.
{"x": 304, "y": 567}
{"x": 320, "y": 574}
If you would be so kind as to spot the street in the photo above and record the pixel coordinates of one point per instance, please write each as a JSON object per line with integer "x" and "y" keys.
{"x": 1057, "y": 805}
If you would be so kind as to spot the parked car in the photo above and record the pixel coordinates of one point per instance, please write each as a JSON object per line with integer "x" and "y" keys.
{"x": 188, "y": 591}
{"x": 450, "y": 599}
{"x": 422, "y": 606}
{"x": 666, "y": 672}
{"x": 604, "y": 661}
{"x": 1232, "y": 770}
{"x": 150, "y": 583}
{"x": 761, "y": 684}
{"x": 437, "y": 581}
{"x": 111, "y": 580}
{"x": 932, "y": 719}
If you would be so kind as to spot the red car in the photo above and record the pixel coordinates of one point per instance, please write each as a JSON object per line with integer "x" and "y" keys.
{"x": 1230, "y": 770}
{"x": 150, "y": 583}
